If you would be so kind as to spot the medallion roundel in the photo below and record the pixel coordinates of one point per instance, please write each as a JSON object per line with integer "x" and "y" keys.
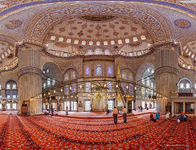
{"x": 13, "y": 24}
{"x": 182, "y": 23}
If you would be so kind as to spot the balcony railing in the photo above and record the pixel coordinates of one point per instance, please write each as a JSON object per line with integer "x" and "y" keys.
{"x": 177, "y": 94}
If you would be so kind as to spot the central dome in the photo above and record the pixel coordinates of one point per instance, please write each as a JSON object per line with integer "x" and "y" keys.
{"x": 97, "y": 27}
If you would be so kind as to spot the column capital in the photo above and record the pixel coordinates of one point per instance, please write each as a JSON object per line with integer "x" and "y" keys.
{"x": 29, "y": 70}
{"x": 20, "y": 46}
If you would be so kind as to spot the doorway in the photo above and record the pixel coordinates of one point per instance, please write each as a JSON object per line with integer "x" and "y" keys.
{"x": 110, "y": 104}
{"x": 87, "y": 105}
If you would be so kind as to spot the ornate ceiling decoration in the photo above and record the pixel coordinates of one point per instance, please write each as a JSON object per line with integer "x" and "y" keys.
{"x": 98, "y": 17}
{"x": 9, "y": 6}
{"x": 182, "y": 23}
{"x": 155, "y": 24}
{"x": 13, "y": 24}
{"x": 76, "y": 28}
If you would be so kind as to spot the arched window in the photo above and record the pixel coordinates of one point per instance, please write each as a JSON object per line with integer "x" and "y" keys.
{"x": 73, "y": 74}
{"x": 73, "y": 88}
{"x": 53, "y": 81}
{"x": 109, "y": 86}
{"x": 130, "y": 88}
{"x": 48, "y": 82}
{"x": 98, "y": 51}
{"x": 181, "y": 85}
{"x": 87, "y": 70}
{"x": 110, "y": 70}
{"x": 123, "y": 86}
{"x": 11, "y": 89}
{"x": 66, "y": 77}
{"x": 130, "y": 77}
{"x": 98, "y": 70}
{"x": 188, "y": 85}
{"x": 184, "y": 86}
{"x": 14, "y": 86}
{"x": 44, "y": 85}
{"x": 8, "y": 86}
{"x": 66, "y": 89}
{"x": 88, "y": 87}
{"x": 124, "y": 74}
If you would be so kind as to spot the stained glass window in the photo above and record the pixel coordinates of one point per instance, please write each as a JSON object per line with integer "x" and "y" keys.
{"x": 110, "y": 70}
{"x": 73, "y": 75}
{"x": 109, "y": 86}
{"x": 66, "y": 77}
{"x": 73, "y": 87}
{"x": 130, "y": 76}
{"x": 66, "y": 89}
{"x": 124, "y": 74}
{"x": 98, "y": 70}
{"x": 123, "y": 86}
{"x": 88, "y": 86}
{"x": 130, "y": 88}
{"x": 87, "y": 70}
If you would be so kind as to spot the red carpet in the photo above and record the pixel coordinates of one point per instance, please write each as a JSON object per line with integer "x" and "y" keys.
{"x": 46, "y": 132}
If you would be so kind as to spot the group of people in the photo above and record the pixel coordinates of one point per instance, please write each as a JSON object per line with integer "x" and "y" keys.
{"x": 157, "y": 116}
{"x": 115, "y": 114}
{"x": 182, "y": 118}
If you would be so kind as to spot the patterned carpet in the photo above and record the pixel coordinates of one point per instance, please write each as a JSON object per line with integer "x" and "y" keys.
{"x": 46, "y": 132}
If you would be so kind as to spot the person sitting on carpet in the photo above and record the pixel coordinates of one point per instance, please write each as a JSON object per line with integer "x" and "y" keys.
{"x": 185, "y": 117}
{"x": 167, "y": 115}
{"x": 157, "y": 116}
{"x": 181, "y": 118}
{"x": 115, "y": 114}
{"x": 152, "y": 118}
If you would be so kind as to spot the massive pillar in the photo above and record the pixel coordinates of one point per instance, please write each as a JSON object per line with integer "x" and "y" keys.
{"x": 29, "y": 76}
{"x": 166, "y": 73}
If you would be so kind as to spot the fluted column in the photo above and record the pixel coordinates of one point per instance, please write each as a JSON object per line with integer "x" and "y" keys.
{"x": 29, "y": 76}
{"x": 166, "y": 72}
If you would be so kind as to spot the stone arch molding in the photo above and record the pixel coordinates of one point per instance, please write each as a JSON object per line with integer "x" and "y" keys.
{"x": 142, "y": 69}
{"x": 55, "y": 69}
{"x": 70, "y": 68}
{"x": 186, "y": 78}
{"x": 10, "y": 79}
{"x": 156, "y": 25}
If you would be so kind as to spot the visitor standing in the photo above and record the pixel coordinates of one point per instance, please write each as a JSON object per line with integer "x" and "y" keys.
{"x": 141, "y": 107}
{"x": 125, "y": 114}
{"x": 115, "y": 114}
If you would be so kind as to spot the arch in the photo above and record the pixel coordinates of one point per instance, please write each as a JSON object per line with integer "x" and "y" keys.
{"x": 70, "y": 68}
{"x": 55, "y": 70}
{"x": 184, "y": 78}
{"x": 142, "y": 69}
{"x": 38, "y": 27}
{"x": 130, "y": 70}
{"x": 11, "y": 79}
